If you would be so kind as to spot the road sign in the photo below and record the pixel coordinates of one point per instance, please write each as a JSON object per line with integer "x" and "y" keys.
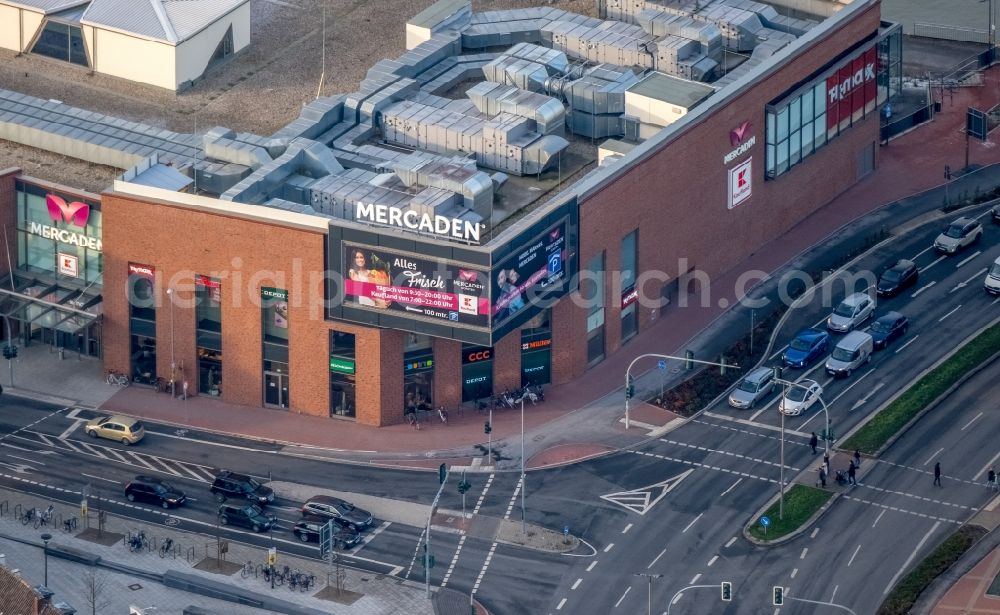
{"x": 661, "y": 364}
{"x": 976, "y": 124}
{"x": 565, "y": 530}
{"x": 765, "y": 521}
{"x": 326, "y": 538}
{"x": 272, "y": 556}
{"x": 83, "y": 507}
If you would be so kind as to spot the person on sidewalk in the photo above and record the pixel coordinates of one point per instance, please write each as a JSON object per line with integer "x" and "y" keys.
{"x": 857, "y": 457}
{"x": 851, "y": 474}
{"x": 826, "y": 463}
{"x": 991, "y": 480}
{"x": 822, "y": 477}
{"x": 937, "y": 474}
{"x": 813, "y": 441}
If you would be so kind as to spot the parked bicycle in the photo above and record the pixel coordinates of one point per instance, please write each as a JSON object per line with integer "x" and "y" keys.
{"x": 29, "y": 516}
{"x": 43, "y": 517}
{"x": 114, "y": 377}
{"x": 249, "y": 570}
{"x": 306, "y": 581}
{"x": 166, "y": 546}
{"x": 69, "y": 525}
{"x": 138, "y": 541}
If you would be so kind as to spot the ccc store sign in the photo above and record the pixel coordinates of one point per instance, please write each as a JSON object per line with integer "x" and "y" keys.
{"x": 476, "y": 355}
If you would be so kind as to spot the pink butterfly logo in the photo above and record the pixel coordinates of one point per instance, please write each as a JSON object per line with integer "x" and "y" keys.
{"x": 738, "y": 134}
{"x": 467, "y": 276}
{"x": 554, "y": 234}
{"x": 76, "y": 212}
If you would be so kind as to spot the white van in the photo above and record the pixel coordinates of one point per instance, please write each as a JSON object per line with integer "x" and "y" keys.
{"x": 992, "y": 282}
{"x": 853, "y": 351}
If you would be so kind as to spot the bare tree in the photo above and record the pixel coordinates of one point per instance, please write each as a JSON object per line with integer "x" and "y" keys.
{"x": 93, "y": 591}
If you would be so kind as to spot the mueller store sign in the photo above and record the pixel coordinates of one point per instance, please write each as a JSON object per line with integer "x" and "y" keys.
{"x": 851, "y": 90}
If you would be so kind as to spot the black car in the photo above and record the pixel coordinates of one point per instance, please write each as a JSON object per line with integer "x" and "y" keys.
{"x": 247, "y": 515}
{"x": 887, "y": 328}
{"x": 308, "y": 529}
{"x": 242, "y": 487}
{"x": 340, "y": 511}
{"x": 900, "y": 276}
{"x": 154, "y": 490}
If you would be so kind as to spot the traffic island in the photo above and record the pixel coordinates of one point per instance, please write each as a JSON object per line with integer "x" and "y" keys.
{"x": 535, "y": 537}
{"x": 802, "y": 504}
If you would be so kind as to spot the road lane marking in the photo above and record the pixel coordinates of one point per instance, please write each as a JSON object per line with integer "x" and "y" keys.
{"x": 795, "y": 571}
{"x": 971, "y": 422}
{"x": 731, "y": 487}
{"x": 912, "y": 339}
{"x": 608, "y": 548}
{"x": 855, "y": 555}
{"x": 594, "y": 563}
{"x": 804, "y": 551}
{"x": 141, "y": 460}
{"x": 950, "y": 313}
{"x": 712, "y": 561}
{"x": 868, "y": 395}
{"x": 561, "y": 603}
{"x": 788, "y": 441}
{"x": 695, "y": 578}
{"x": 576, "y": 583}
{"x": 702, "y": 465}
{"x": 692, "y": 522}
{"x": 93, "y": 450}
{"x": 66, "y": 433}
{"x": 31, "y": 461}
{"x": 627, "y": 590}
{"x": 656, "y": 559}
{"x": 753, "y": 417}
{"x": 105, "y": 479}
{"x": 922, "y": 289}
{"x": 935, "y": 262}
{"x": 834, "y": 594}
{"x": 906, "y": 564}
{"x": 730, "y": 543}
{"x": 721, "y": 452}
{"x": 878, "y": 518}
{"x": 961, "y": 285}
{"x": 936, "y": 453}
{"x": 814, "y": 532}
{"x": 723, "y": 417}
{"x": 677, "y": 598}
{"x": 627, "y": 528}
{"x": 969, "y": 258}
{"x": 922, "y": 252}
{"x": 118, "y": 456}
{"x": 454, "y": 561}
{"x": 902, "y": 510}
{"x": 989, "y": 464}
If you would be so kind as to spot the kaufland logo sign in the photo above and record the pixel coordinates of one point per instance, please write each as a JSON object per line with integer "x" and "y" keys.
{"x": 70, "y": 214}
{"x": 741, "y": 139}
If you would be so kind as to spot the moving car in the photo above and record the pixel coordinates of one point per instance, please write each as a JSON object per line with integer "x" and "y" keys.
{"x": 232, "y": 485}
{"x": 798, "y": 399}
{"x": 308, "y": 529}
{"x": 124, "y": 429}
{"x": 807, "y": 346}
{"x": 959, "y": 234}
{"x": 852, "y": 311}
{"x": 887, "y": 328}
{"x": 247, "y": 515}
{"x": 850, "y": 353}
{"x": 757, "y": 385}
{"x": 992, "y": 282}
{"x": 342, "y": 512}
{"x": 151, "y": 489}
{"x": 895, "y": 279}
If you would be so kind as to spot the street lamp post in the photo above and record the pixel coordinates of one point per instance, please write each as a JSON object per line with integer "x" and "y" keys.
{"x": 45, "y": 539}
{"x": 826, "y": 440}
{"x": 523, "y": 484}
{"x": 649, "y": 591}
{"x": 173, "y": 363}
{"x": 628, "y": 374}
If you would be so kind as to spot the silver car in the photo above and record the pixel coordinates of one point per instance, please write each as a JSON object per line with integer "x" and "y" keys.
{"x": 959, "y": 234}
{"x": 851, "y": 312}
{"x": 757, "y": 385}
{"x": 800, "y": 398}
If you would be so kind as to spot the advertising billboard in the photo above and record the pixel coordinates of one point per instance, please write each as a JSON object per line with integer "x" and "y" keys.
{"x": 851, "y": 91}
{"x": 740, "y": 182}
{"x": 379, "y": 279}
{"x": 533, "y": 273}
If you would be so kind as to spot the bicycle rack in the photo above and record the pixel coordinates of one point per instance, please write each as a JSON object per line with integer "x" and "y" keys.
{"x": 18, "y": 510}
{"x": 189, "y": 555}
{"x": 4, "y": 508}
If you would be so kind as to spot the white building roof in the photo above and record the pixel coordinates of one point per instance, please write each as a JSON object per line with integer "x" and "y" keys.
{"x": 170, "y": 21}
{"x": 46, "y": 7}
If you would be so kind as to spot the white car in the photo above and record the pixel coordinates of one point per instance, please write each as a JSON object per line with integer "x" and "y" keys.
{"x": 852, "y": 311}
{"x": 800, "y": 398}
{"x": 959, "y": 234}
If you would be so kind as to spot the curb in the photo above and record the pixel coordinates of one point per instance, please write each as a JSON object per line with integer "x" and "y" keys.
{"x": 794, "y": 533}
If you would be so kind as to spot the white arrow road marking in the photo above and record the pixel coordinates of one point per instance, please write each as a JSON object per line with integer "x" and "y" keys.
{"x": 644, "y": 498}
{"x": 865, "y": 399}
{"x": 20, "y": 468}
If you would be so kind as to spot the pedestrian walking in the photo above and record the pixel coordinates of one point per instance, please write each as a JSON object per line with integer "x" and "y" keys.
{"x": 851, "y": 472}
{"x": 822, "y": 477}
{"x": 991, "y": 480}
{"x": 857, "y": 457}
{"x": 937, "y": 474}
{"x": 826, "y": 463}
{"x": 813, "y": 441}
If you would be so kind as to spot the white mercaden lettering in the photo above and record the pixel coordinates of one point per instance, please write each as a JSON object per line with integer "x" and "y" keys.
{"x": 64, "y": 236}
{"x": 739, "y": 151}
{"x": 409, "y": 219}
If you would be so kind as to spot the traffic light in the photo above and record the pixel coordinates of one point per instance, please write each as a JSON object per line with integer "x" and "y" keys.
{"x": 487, "y": 428}
{"x": 688, "y": 364}
{"x": 779, "y": 596}
{"x": 630, "y": 387}
{"x": 442, "y": 473}
{"x": 9, "y": 352}
{"x": 727, "y": 591}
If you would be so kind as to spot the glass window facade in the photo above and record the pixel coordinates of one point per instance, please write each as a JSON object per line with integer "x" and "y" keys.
{"x": 592, "y": 292}
{"x": 418, "y": 373}
{"x": 536, "y": 350}
{"x": 274, "y": 326}
{"x": 142, "y": 323}
{"x": 62, "y": 42}
{"x": 208, "y": 318}
{"x": 343, "y": 374}
{"x": 59, "y": 234}
{"x": 629, "y": 305}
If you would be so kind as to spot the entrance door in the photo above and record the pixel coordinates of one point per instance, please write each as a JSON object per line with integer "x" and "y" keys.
{"x": 276, "y": 389}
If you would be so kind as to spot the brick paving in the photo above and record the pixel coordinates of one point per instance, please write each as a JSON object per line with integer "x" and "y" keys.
{"x": 968, "y": 595}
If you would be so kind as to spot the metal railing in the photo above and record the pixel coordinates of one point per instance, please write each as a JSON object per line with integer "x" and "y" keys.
{"x": 950, "y": 33}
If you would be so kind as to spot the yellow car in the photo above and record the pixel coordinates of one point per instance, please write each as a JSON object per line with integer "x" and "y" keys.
{"x": 124, "y": 429}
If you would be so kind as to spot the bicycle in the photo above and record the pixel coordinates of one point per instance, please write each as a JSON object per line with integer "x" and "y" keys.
{"x": 114, "y": 377}
{"x": 69, "y": 525}
{"x": 165, "y": 546}
{"x": 28, "y": 516}
{"x": 307, "y": 581}
{"x": 249, "y": 569}
{"x": 293, "y": 580}
{"x": 137, "y": 542}
{"x": 42, "y": 518}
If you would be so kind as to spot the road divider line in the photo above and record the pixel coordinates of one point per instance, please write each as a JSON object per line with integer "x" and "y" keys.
{"x": 962, "y": 285}
{"x": 627, "y": 590}
{"x": 731, "y": 541}
{"x": 795, "y": 571}
{"x": 105, "y": 479}
{"x": 731, "y": 487}
{"x": 968, "y": 258}
{"x": 65, "y": 434}
{"x": 594, "y": 563}
{"x": 693, "y": 521}
{"x": 971, "y": 422}
{"x": 814, "y": 532}
{"x": 906, "y": 564}
{"x": 608, "y": 548}
{"x": 677, "y": 598}
{"x": 723, "y": 417}
{"x": 878, "y": 518}
{"x": 712, "y": 561}
{"x": 853, "y": 556}
{"x": 695, "y": 578}
{"x": 561, "y": 603}
{"x": 576, "y": 583}
{"x": 804, "y": 551}
{"x": 950, "y": 313}
{"x": 934, "y": 262}
{"x": 627, "y": 528}
{"x": 922, "y": 289}
{"x": 935, "y": 454}
{"x": 989, "y": 464}
{"x": 912, "y": 339}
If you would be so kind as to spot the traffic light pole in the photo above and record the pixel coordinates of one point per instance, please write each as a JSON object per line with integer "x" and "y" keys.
{"x": 629, "y": 380}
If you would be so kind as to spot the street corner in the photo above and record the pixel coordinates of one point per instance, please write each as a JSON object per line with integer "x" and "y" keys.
{"x": 566, "y": 454}
{"x": 654, "y": 420}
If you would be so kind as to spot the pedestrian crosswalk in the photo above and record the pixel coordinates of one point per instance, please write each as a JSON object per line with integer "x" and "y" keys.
{"x": 142, "y": 461}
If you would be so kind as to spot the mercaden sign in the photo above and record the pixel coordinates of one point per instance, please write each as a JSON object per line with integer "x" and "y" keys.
{"x": 415, "y": 221}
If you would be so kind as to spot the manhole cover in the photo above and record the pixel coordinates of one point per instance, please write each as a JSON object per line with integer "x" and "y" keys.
{"x": 172, "y": 521}
{"x": 538, "y": 438}
{"x": 135, "y": 587}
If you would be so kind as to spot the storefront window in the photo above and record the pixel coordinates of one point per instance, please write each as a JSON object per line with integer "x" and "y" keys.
{"x": 208, "y": 316}
{"x": 536, "y": 350}
{"x": 418, "y": 373}
{"x": 477, "y": 372}
{"x": 592, "y": 292}
{"x": 274, "y": 328}
{"x": 142, "y": 322}
{"x": 629, "y": 296}
{"x": 342, "y": 374}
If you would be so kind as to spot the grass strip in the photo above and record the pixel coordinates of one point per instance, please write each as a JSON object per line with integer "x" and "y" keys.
{"x": 905, "y": 593}
{"x": 893, "y": 417}
{"x": 801, "y": 502}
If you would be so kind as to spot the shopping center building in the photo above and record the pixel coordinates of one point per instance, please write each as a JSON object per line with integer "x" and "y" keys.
{"x": 510, "y": 201}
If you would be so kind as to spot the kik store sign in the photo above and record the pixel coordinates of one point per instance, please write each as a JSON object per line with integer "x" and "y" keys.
{"x": 67, "y": 221}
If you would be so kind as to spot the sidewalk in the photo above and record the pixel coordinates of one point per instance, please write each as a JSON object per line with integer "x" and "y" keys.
{"x": 583, "y": 418}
